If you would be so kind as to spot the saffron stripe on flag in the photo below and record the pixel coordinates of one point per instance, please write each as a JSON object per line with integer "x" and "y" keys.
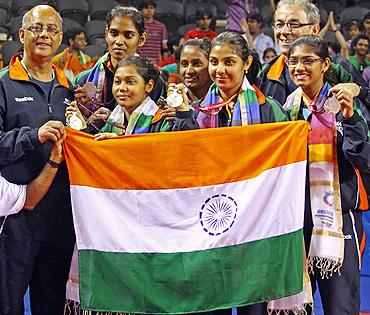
{"x": 172, "y": 160}
{"x": 192, "y": 282}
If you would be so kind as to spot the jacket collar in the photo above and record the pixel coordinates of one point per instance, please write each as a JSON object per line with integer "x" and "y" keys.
{"x": 17, "y": 71}
{"x": 260, "y": 96}
{"x": 277, "y": 68}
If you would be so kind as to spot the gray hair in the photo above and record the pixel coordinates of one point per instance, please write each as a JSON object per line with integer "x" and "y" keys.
{"x": 307, "y": 6}
{"x": 27, "y": 15}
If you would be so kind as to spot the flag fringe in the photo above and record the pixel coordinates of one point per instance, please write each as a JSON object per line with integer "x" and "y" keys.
{"x": 71, "y": 307}
{"x": 326, "y": 266}
{"x": 302, "y": 311}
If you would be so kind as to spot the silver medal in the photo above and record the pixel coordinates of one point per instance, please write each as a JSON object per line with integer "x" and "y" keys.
{"x": 332, "y": 105}
{"x": 174, "y": 99}
{"x": 75, "y": 122}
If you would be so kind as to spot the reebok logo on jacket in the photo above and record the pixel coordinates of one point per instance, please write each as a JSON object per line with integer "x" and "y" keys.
{"x": 24, "y": 99}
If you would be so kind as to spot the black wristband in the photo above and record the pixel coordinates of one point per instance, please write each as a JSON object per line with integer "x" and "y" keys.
{"x": 54, "y": 164}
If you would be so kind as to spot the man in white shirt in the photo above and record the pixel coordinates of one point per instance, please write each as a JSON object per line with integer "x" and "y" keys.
{"x": 252, "y": 28}
{"x": 14, "y": 198}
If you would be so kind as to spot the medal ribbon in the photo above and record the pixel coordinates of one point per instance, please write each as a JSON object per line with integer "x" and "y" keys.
{"x": 317, "y": 103}
{"x": 194, "y": 104}
{"x": 101, "y": 119}
{"x": 214, "y": 109}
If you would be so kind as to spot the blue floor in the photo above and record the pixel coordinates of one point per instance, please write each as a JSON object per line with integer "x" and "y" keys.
{"x": 27, "y": 310}
{"x": 365, "y": 301}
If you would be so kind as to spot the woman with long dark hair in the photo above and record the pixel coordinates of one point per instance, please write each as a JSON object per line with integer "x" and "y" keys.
{"x": 233, "y": 99}
{"x": 338, "y": 157}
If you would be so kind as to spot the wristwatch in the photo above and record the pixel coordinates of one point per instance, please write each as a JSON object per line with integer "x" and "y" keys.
{"x": 54, "y": 164}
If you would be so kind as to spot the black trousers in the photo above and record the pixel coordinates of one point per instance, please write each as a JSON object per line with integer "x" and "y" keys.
{"x": 25, "y": 261}
{"x": 340, "y": 294}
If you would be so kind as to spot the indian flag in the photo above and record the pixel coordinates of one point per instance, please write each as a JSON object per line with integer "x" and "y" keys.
{"x": 189, "y": 221}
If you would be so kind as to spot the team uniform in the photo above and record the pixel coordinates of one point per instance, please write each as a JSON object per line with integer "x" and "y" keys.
{"x": 35, "y": 246}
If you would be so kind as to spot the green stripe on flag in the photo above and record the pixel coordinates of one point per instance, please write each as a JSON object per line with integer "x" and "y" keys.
{"x": 193, "y": 281}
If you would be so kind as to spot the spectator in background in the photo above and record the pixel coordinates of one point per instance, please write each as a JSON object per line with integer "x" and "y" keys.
{"x": 331, "y": 26}
{"x": 361, "y": 48}
{"x": 203, "y": 19}
{"x": 172, "y": 44}
{"x": 157, "y": 37}
{"x": 366, "y": 23}
{"x": 334, "y": 54}
{"x": 269, "y": 54}
{"x": 334, "y": 50}
{"x": 257, "y": 40}
{"x": 235, "y": 12}
{"x": 72, "y": 60}
{"x": 172, "y": 69}
{"x": 355, "y": 28}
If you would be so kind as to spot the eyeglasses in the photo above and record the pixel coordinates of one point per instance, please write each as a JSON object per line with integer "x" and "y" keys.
{"x": 38, "y": 29}
{"x": 307, "y": 62}
{"x": 289, "y": 25}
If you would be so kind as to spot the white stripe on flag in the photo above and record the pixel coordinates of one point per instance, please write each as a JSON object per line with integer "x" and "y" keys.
{"x": 166, "y": 221}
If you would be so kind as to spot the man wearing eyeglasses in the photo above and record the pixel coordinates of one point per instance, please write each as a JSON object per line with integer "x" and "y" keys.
{"x": 35, "y": 246}
{"x": 292, "y": 19}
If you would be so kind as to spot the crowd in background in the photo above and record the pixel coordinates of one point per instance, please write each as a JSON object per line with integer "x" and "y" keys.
{"x": 146, "y": 81}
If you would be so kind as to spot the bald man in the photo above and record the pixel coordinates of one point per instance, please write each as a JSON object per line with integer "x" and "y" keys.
{"x": 35, "y": 246}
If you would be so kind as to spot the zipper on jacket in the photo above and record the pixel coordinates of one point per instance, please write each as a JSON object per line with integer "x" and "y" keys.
{"x": 50, "y": 109}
